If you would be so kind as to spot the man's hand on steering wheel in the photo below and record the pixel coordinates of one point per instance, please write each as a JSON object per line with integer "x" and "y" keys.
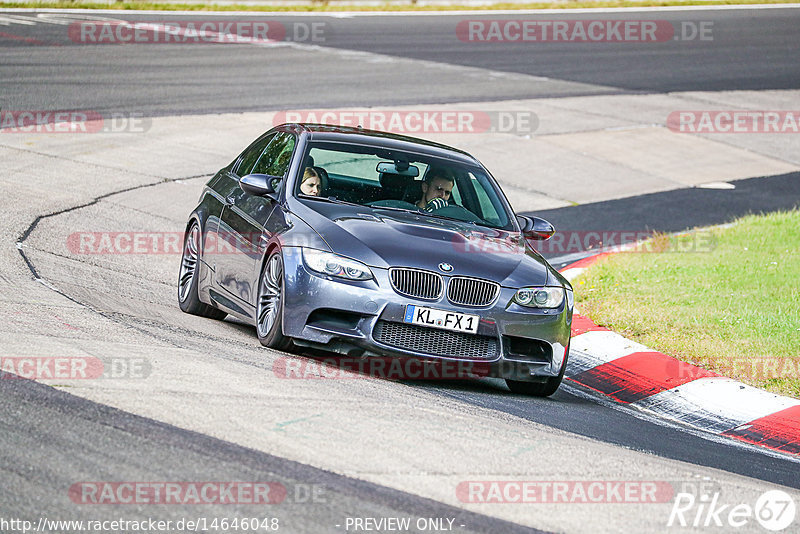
{"x": 435, "y": 204}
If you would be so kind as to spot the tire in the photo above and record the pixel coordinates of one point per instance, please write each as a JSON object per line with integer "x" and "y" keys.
{"x": 269, "y": 308}
{"x": 539, "y": 389}
{"x": 187, "y": 278}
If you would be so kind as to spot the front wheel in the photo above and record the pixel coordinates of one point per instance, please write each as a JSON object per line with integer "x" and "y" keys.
{"x": 269, "y": 312}
{"x": 539, "y": 389}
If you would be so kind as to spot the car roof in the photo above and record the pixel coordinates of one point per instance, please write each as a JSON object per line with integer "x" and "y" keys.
{"x": 348, "y": 134}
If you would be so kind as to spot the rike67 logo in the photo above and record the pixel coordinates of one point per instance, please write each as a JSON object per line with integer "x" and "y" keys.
{"x": 704, "y": 507}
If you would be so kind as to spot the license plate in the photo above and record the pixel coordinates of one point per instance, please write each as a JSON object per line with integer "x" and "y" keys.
{"x": 446, "y": 320}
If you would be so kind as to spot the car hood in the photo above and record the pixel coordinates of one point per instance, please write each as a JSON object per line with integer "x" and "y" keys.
{"x": 387, "y": 238}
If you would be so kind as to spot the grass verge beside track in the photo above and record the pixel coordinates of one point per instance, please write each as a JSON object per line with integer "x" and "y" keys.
{"x": 342, "y": 5}
{"x": 727, "y": 299}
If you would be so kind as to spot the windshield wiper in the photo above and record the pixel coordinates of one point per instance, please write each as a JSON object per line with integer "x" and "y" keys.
{"x": 406, "y": 210}
{"x": 418, "y": 212}
{"x": 436, "y": 216}
{"x": 394, "y": 209}
{"x": 333, "y": 200}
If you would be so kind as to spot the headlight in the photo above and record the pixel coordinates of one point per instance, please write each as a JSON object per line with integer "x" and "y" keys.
{"x": 335, "y": 265}
{"x": 540, "y": 297}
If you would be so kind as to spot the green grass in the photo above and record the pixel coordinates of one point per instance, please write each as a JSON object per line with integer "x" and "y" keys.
{"x": 727, "y": 299}
{"x": 342, "y": 5}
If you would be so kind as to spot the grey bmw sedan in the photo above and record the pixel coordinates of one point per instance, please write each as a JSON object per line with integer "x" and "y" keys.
{"x": 370, "y": 244}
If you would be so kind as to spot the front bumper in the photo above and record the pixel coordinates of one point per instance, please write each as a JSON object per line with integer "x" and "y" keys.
{"x": 353, "y": 318}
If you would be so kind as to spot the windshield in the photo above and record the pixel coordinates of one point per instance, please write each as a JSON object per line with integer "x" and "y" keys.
{"x": 384, "y": 179}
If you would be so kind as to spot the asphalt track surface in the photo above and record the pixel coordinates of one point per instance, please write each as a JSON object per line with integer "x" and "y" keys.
{"x": 750, "y": 50}
{"x": 44, "y": 68}
{"x": 577, "y": 410}
{"x": 69, "y": 434}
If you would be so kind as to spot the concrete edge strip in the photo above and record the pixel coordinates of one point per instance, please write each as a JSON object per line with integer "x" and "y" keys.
{"x": 630, "y": 373}
{"x": 393, "y": 13}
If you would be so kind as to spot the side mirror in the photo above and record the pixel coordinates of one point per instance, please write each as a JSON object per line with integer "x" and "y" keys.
{"x": 535, "y": 228}
{"x": 258, "y": 184}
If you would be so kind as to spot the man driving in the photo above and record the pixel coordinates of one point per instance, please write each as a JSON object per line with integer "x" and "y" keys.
{"x": 436, "y": 190}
